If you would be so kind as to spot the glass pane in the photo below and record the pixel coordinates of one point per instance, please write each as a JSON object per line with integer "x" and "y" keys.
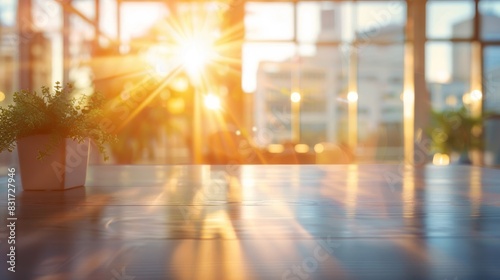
{"x": 269, "y": 21}
{"x": 47, "y": 15}
{"x": 80, "y": 30}
{"x": 365, "y": 21}
{"x": 450, "y": 19}
{"x": 322, "y": 79}
{"x": 490, "y": 12}
{"x": 324, "y": 21}
{"x": 380, "y": 21}
{"x": 380, "y": 108}
{"x": 145, "y": 15}
{"x": 8, "y": 70}
{"x": 46, "y": 59}
{"x": 492, "y": 79}
{"x": 272, "y": 115}
{"x": 108, "y": 17}
{"x": 448, "y": 73}
{"x": 330, "y": 94}
{"x": 256, "y": 53}
{"x": 319, "y": 79}
{"x": 8, "y": 50}
{"x": 8, "y": 13}
{"x": 86, "y": 7}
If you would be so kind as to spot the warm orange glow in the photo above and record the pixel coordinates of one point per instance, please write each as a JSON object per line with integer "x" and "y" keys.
{"x": 2, "y": 96}
{"x": 176, "y": 105}
{"x": 353, "y": 119}
{"x": 196, "y": 46}
{"x": 352, "y": 190}
{"x": 466, "y": 99}
{"x": 275, "y": 148}
{"x": 409, "y": 104}
{"x": 319, "y": 148}
{"x": 189, "y": 53}
{"x": 295, "y": 98}
{"x": 476, "y": 94}
{"x": 441, "y": 159}
{"x": 301, "y": 148}
{"x": 352, "y": 106}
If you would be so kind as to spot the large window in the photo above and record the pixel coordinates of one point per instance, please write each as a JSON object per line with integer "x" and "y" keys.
{"x": 329, "y": 51}
{"x": 345, "y": 59}
{"x": 462, "y": 52}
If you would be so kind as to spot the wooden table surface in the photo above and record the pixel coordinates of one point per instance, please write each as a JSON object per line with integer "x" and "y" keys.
{"x": 261, "y": 222}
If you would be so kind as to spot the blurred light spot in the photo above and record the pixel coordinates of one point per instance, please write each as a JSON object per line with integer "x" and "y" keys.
{"x": 238, "y": 132}
{"x": 176, "y": 105}
{"x": 275, "y": 148}
{"x": 301, "y": 148}
{"x": 2, "y": 96}
{"x": 476, "y": 95}
{"x": 441, "y": 159}
{"x": 254, "y": 129}
{"x": 451, "y": 100}
{"x": 319, "y": 148}
{"x": 408, "y": 96}
{"x": 212, "y": 102}
{"x": 466, "y": 98}
{"x": 196, "y": 52}
{"x": 352, "y": 96}
{"x": 295, "y": 97}
{"x": 180, "y": 84}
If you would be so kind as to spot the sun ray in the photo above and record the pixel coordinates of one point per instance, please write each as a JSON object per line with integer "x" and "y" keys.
{"x": 192, "y": 43}
{"x": 150, "y": 98}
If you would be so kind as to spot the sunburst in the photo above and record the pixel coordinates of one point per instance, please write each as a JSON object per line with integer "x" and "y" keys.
{"x": 190, "y": 43}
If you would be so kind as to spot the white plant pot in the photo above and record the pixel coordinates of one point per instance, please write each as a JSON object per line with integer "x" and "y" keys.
{"x": 65, "y": 167}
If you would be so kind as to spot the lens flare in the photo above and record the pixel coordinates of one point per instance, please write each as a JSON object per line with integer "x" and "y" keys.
{"x": 212, "y": 102}
{"x": 295, "y": 97}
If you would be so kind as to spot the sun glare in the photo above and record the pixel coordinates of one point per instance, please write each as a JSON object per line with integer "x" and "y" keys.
{"x": 295, "y": 97}
{"x": 190, "y": 50}
{"x": 212, "y": 102}
{"x": 196, "y": 53}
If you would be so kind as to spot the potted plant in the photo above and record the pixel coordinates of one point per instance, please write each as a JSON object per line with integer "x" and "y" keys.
{"x": 52, "y": 131}
{"x": 456, "y": 131}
